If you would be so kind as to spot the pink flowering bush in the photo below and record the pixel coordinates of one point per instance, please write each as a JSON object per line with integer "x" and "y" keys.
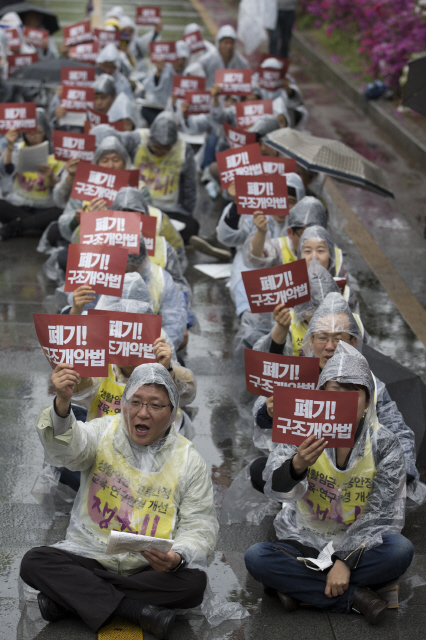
{"x": 388, "y": 31}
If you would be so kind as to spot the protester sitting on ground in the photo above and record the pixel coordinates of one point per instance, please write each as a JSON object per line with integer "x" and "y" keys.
{"x": 29, "y": 206}
{"x": 289, "y": 92}
{"x": 142, "y": 445}
{"x": 224, "y": 56}
{"x": 137, "y": 48}
{"x": 364, "y": 526}
{"x": 12, "y": 20}
{"x": 123, "y": 111}
{"x": 35, "y": 20}
{"x": 194, "y": 27}
{"x": 110, "y": 61}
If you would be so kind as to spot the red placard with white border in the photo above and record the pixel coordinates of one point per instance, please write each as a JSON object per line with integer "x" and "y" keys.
{"x": 20, "y": 60}
{"x": 91, "y": 182}
{"x": 235, "y": 82}
{"x": 87, "y": 52}
{"x": 101, "y": 268}
{"x": 18, "y": 115}
{"x": 286, "y": 284}
{"x": 262, "y": 193}
{"x": 195, "y": 41}
{"x": 243, "y": 161}
{"x": 341, "y": 283}
{"x": 148, "y": 229}
{"x": 35, "y": 36}
{"x": 148, "y": 16}
{"x": 96, "y": 117}
{"x": 105, "y": 36}
{"x": 280, "y": 166}
{"x": 13, "y": 39}
{"x": 163, "y": 51}
{"x": 113, "y": 228}
{"x": 300, "y": 413}
{"x": 131, "y": 336}
{"x": 184, "y": 84}
{"x": 249, "y": 112}
{"x": 73, "y": 145}
{"x": 80, "y": 341}
{"x": 77, "y": 99}
{"x": 198, "y": 102}
{"x": 270, "y": 79}
{"x": 267, "y": 371}
{"x": 78, "y": 33}
{"x": 77, "y": 77}
{"x": 237, "y": 137}
{"x": 284, "y": 61}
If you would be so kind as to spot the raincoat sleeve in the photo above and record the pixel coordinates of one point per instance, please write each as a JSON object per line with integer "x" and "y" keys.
{"x": 276, "y": 460}
{"x": 197, "y": 526}
{"x": 232, "y": 229}
{"x": 159, "y": 93}
{"x": 74, "y": 449}
{"x": 188, "y": 185}
{"x": 265, "y": 342}
{"x": 62, "y": 191}
{"x": 143, "y": 42}
{"x": 186, "y": 384}
{"x": 220, "y": 114}
{"x": 174, "y": 316}
{"x": 66, "y": 220}
{"x": 272, "y": 256}
{"x": 199, "y": 123}
{"x": 389, "y": 416}
{"x": 384, "y": 512}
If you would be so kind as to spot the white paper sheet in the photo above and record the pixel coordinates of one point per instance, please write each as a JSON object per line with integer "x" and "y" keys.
{"x": 178, "y": 225}
{"x": 120, "y": 542}
{"x": 31, "y": 158}
{"x": 194, "y": 138}
{"x": 322, "y": 562}
{"x": 73, "y": 119}
{"x": 216, "y": 271}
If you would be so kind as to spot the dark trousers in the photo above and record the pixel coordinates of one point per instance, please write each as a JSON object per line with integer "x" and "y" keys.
{"x": 282, "y": 31}
{"x": 27, "y": 218}
{"x": 192, "y": 225}
{"x": 256, "y": 471}
{"x": 149, "y": 114}
{"x": 85, "y": 588}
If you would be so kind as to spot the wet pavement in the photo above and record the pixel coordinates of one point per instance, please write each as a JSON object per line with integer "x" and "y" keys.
{"x": 221, "y": 411}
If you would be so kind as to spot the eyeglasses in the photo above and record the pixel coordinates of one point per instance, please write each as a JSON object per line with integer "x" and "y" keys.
{"x": 324, "y": 338}
{"x": 151, "y": 407}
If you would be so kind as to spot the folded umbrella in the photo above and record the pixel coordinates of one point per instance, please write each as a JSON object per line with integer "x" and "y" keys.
{"x": 331, "y": 157}
{"x": 49, "y": 19}
{"x": 415, "y": 89}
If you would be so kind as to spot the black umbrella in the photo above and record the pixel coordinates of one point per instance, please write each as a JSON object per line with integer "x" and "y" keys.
{"x": 415, "y": 89}
{"x": 406, "y": 389}
{"x": 50, "y": 21}
{"x": 45, "y": 72}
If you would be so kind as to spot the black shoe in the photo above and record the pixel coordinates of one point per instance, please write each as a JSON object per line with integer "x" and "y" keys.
{"x": 370, "y": 604}
{"x": 50, "y": 610}
{"x": 158, "y": 620}
{"x": 289, "y": 603}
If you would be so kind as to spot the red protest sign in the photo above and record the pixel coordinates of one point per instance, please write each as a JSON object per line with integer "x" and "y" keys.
{"x": 198, "y": 102}
{"x": 77, "y": 99}
{"x": 195, "y": 41}
{"x": 35, "y": 36}
{"x": 236, "y": 82}
{"x": 77, "y": 77}
{"x": 80, "y": 341}
{"x": 85, "y": 52}
{"x": 243, "y": 161}
{"x": 131, "y": 336}
{"x": 20, "y": 60}
{"x": 105, "y": 36}
{"x": 299, "y": 414}
{"x": 237, "y": 137}
{"x": 77, "y": 33}
{"x": 102, "y": 268}
{"x": 249, "y": 112}
{"x": 18, "y": 115}
{"x": 262, "y": 193}
{"x": 113, "y": 228}
{"x": 146, "y": 16}
{"x": 13, "y": 39}
{"x": 286, "y": 284}
{"x": 341, "y": 283}
{"x": 92, "y": 182}
{"x": 148, "y": 229}
{"x": 163, "y": 51}
{"x": 270, "y": 79}
{"x": 284, "y": 61}
{"x": 73, "y": 145}
{"x": 96, "y": 117}
{"x": 266, "y": 371}
{"x": 184, "y": 84}
{"x": 279, "y": 165}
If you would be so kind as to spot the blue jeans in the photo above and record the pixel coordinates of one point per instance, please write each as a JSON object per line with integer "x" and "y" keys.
{"x": 275, "y": 565}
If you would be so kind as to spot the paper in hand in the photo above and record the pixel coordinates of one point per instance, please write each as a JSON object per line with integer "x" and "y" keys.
{"x": 322, "y": 562}
{"x": 32, "y": 158}
{"x": 120, "y": 542}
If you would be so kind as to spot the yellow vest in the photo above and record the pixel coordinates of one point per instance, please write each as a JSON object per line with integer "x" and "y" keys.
{"x": 122, "y": 498}
{"x": 335, "y": 499}
{"x": 338, "y": 259}
{"x": 160, "y": 255}
{"x": 286, "y": 252}
{"x": 161, "y": 175}
{"x": 298, "y": 331}
{"x": 156, "y": 285}
{"x": 35, "y": 185}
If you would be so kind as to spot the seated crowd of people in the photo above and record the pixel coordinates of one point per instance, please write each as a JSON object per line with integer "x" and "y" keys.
{"x": 130, "y": 461}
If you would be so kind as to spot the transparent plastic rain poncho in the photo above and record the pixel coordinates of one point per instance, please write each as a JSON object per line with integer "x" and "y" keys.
{"x": 130, "y": 199}
{"x": 109, "y": 145}
{"x": 307, "y": 212}
{"x": 109, "y": 53}
{"x": 265, "y": 124}
{"x": 319, "y": 233}
{"x": 43, "y": 121}
{"x": 105, "y": 83}
{"x": 182, "y": 50}
{"x": 122, "y": 108}
{"x": 170, "y": 463}
{"x": 164, "y": 130}
{"x": 384, "y": 510}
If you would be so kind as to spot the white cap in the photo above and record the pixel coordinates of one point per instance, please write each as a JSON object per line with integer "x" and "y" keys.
{"x": 271, "y": 63}
{"x": 182, "y": 49}
{"x": 226, "y": 32}
{"x": 109, "y": 53}
{"x": 126, "y": 22}
{"x": 191, "y": 28}
{"x": 115, "y": 12}
{"x": 195, "y": 69}
{"x": 11, "y": 19}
